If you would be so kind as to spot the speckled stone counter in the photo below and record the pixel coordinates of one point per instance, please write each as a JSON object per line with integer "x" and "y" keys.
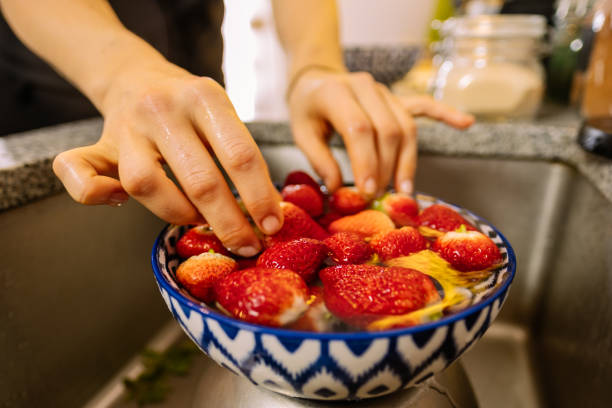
{"x": 26, "y": 175}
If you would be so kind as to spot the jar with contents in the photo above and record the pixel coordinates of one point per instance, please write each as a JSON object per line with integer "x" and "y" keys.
{"x": 596, "y": 133}
{"x": 491, "y": 65}
{"x": 597, "y": 97}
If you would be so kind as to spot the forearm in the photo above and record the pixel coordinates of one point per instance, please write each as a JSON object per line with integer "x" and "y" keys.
{"x": 308, "y": 31}
{"x": 82, "y": 39}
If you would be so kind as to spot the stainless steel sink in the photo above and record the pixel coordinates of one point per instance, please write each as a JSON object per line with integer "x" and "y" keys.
{"x": 74, "y": 311}
{"x": 552, "y": 344}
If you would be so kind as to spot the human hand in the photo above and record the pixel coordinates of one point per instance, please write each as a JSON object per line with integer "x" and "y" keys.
{"x": 161, "y": 114}
{"x": 377, "y": 127}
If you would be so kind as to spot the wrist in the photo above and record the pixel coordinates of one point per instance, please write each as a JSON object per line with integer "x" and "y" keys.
{"x": 331, "y": 60}
{"x": 305, "y": 70}
{"x": 126, "y": 59}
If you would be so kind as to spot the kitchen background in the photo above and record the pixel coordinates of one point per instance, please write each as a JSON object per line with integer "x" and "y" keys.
{"x": 255, "y": 73}
{"x": 79, "y": 301}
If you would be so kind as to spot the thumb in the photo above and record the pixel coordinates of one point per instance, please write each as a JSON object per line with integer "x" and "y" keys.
{"x": 87, "y": 173}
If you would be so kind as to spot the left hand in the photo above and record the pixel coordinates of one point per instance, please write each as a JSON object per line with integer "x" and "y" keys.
{"x": 377, "y": 127}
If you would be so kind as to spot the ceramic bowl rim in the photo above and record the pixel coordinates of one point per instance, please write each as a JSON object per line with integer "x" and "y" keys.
{"x": 279, "y": 332}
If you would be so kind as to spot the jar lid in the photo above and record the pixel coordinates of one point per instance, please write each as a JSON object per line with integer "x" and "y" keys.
{"x": 495, "y": 26}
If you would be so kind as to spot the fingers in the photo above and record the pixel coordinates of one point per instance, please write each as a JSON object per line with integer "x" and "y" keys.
{"x": 424, "y": 105}
{"x": 387, "y": 129}
{"x": 338, "y": 105}
{"x": 204, "y": 185}
{"x": 309, "y": 136}
{"x": 86, "y": 173}
{"x": 239, "y": 155}
{"x": 407, "y": 154}
{"x": 144, "y": 178}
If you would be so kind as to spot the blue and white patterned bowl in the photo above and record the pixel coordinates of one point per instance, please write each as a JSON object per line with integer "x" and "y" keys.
{"x": 334, "y": 366}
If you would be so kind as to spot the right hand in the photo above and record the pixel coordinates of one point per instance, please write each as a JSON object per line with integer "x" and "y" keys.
{"x": 162, "y": 114}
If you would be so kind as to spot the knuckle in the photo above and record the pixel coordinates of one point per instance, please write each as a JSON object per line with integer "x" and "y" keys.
{"x": 232, "y": 235}
{"x": 153, "y": 101}
{"x": 139, "y": 183}
{"x": 85, "y": 195}
{"x": 209, "y": 84}
{"x": 202, "y": 88}
{"x": 411, "y": 130}
{"x": 391, "y": 133}
{"x": 241, "y": 156}
{"x": 361, "y": 126}
{"x": 201, "y": 186}
{"x": 260, "y": 205}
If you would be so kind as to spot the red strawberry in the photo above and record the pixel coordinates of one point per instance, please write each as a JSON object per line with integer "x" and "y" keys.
{"x": 300, "y": 177}
{"x": 347, "y": 201}
{"x": 360, "y": 294}
{"x": 272, "y": 297}
{"x": 365, "y": 223}
{"x": 401, "y": 208}
{"x": 442, "y": 218}
{"x": 305, "y": 197}
{"x": 245, "y": 263}
{"x": 467, "y": 250}
{"x": 328, "y": 218}
{"x": 396, "y": 243}
{"x": 303, "y": 256}
{"x": 199, "y": 273}
{"x": 348, "y": 248}
{"x": 297, "y": 224}
{"x": 198, "y": 240}
{"x": 317, "y": 318}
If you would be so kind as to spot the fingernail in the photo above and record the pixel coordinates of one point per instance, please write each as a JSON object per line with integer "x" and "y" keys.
{"x": 406, "y": 187}
{"x": 117, "y": 199}
{"x": 270, "y": 224}
{"x": 247, "y": 251}
{"x": 369, "y": 186}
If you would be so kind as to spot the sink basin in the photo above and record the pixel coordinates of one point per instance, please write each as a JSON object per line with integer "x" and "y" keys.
{"x": 550, "y": 346}
{"x": 552, "y": 343}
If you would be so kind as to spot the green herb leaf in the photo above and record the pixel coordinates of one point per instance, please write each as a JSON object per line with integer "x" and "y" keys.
{"x": 151, "y": 385}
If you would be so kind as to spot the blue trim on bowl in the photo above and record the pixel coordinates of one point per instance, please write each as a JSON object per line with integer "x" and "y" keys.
{"x": 341, "y": 335}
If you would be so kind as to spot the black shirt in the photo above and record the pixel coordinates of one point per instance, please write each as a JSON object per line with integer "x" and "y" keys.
{"x": 187, "y": 32}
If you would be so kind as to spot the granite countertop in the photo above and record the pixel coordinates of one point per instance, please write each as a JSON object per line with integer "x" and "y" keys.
{"x": 26, "y": 175}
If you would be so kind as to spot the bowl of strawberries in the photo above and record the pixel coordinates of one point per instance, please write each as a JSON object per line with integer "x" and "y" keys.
{"x": 351, "y": 299}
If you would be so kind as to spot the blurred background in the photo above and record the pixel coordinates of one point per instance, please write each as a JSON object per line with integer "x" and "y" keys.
{"x": 466, "y": 53}
{"x": 254, "y": 62}
{"x": 79, "y": 300}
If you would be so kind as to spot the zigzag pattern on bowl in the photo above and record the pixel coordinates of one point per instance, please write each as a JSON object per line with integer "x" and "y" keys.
{"x": 323, "y": 368}
{"x": 332, "y": 366}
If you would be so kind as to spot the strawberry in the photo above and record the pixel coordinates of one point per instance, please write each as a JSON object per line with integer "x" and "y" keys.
{"x": 272, "y": 297}
{"x": 245, "y": 263}
{"x": 198, "y": 240}
{"x": 396, "y": 243}
{"x": 305, "y": 197}
{"x": 401, "y": 208}
{"x": 300, "y": 177}
{"x": 467, "y": 250}
{"x": 199, "y": 273}
{"x": 360, "y": 294}
{"x": 303, "y": 256}
{"x": 365, "y": 223}
{"x": 317, "y": 318}
{"x": 442, "y": 218}
{"x": 328, "y": 218}
{"x": 297, "y": 224}
{"x": 348, "y": 248}
{"x": 347, "y": 201}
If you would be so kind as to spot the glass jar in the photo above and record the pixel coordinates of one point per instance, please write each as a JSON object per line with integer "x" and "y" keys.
{"x": 597, "y": 92}
{"x": 491, "y": 65}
